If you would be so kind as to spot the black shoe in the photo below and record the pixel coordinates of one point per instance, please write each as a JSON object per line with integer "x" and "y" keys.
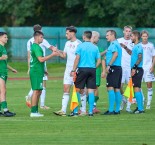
{"x": 139, "y": 112}
{"x": 1, "y": 114}
{"x": 90, "y": 115}
{"x": 73, "y": 114}
{"x": 108, "y": 113}
{"x": 135, "y": 110}
{"x": 9, "y": 114}
{"x": 117, "y": 113}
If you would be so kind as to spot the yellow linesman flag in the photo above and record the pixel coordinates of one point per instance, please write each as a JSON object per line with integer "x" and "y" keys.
{"x": 129, "y": 93}
{"x": 74, "y": 99}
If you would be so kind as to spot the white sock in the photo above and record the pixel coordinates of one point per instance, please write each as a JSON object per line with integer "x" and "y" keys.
{"x": 65, "y": 99}
{"x": 30, "y": 93}
{"x": 83, "y": 102}
{"x": 143, "y": 96}
{"x": 149, "y": 96}
{"x": 42, "y": 97}
{"x": 124, "y": 99}
{"x": 128, "y": 104}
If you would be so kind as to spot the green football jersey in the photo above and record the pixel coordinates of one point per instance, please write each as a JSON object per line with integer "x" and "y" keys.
{"x": 36, "y": 67}
{"x": 99, "y": 68}
{"x": 3, "y": 63}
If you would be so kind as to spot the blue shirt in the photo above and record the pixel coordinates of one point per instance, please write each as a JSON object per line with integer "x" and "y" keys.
{"x": 88, "y": 53}
{"x": 114, "y": 47}
{"x": 137, "y": 49}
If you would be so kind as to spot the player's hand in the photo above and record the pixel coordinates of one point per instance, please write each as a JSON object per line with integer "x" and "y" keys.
{"x": 54, "y": 48}
{"x": 14, "y": 70}
{"x": 103, "y": 75}
{"x": 55, "y": 53}
{"x": 4, "y": 57}
{"x": 152, "y": 69}
{"x": 122, "y": 45}
{"x": 133, "y": 71}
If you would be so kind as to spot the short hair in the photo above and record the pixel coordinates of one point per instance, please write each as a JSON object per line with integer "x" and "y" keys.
{"x": 37, "y": 27}
{"x": 88, "y": 34}
{"x": 127, "y": 26}
{"x": 71, "y": 29}
{"x": 95, "y": 33}
{"x": 37, "y": 33}
{"x": 3, "y": 33}
{"x": 144, "y": 32}
{"x": 113, "y": 32}
{"x": 136, "y": 33}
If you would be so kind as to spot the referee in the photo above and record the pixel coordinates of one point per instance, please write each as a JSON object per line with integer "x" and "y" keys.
{"x": 87, "y": 59}
{"x": 114, "y": 73}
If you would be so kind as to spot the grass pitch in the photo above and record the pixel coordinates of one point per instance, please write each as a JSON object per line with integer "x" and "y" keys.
{"x": 124, "y": 129}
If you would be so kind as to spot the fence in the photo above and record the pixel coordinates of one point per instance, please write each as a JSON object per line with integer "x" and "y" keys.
{"x": 56, "y": 36}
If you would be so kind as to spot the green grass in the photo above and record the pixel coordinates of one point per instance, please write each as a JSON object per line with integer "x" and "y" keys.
{"x": 124, "y": 129}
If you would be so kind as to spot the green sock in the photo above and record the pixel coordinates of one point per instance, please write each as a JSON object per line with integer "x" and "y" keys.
{"x": 37, "y": 108}
{"x": 0, "y": 106}
{"x": 4, "y": 105}
{"x": 96, "y": 99}
{"x": 34, "y": 109}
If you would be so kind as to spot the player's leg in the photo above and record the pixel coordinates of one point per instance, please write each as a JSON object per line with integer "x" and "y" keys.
{"x": 4, "y": 106}
{"x": 28, "y": 98}
{"x": 83, "y": 96}
{"x": 43, "y": 94}
{"x": 149, "y": 95}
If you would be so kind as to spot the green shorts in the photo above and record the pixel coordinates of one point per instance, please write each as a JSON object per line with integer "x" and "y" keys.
{"x": 98, "y": 80}
{"x": 3, "y": 77}
{"x": 36, "y": 82}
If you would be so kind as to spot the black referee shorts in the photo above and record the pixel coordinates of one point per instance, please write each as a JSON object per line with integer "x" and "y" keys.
{"x": 114, "y": 77}
{"x": 137, "y": 78}
{"x": 86, "y": 77}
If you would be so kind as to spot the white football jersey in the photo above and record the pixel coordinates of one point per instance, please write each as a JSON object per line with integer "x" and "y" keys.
{"x": 69, "y": 49}
{"x": 126, "y": 58}
{"x": 44, "y": 45}
{"x": 148, "y": 53}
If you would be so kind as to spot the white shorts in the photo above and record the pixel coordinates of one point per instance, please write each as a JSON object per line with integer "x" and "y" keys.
{"x": 45, "y": 78}
{"x": 67, "y": 78}
{"x": 126, "y": 74}
{"x": 148, "y": 77}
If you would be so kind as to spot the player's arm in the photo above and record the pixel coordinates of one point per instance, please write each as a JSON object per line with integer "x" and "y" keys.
{"x": 153, "y": 64}
{"x": 28, "y": 61}
{"x": 12, "y": 69}
{"x": 103, "y": 68}
{"x": 115, "y": 55}
{"x": 103, "y": 53}
{"x": 76, "y": 62}
{"x": 4, "y": 57}
{"x": 45, "y": 58}
{"x": 133, "y": 70}
{"x": 126, "y": 48}
{"x": 98, "y": 62}
{"x": 62, "y": 54}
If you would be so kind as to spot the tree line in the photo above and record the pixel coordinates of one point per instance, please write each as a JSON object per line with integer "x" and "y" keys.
{"x": 94, "y": 13}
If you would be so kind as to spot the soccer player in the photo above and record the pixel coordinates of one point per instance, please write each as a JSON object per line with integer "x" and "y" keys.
{"x": 44, "y": 45}
{"x": 125, "y": 63}
{"x": 94, "y": 39}
{"x": 37, "y": 71}
{"x": 3, "y": 76}
{"x": 86, "y": 61}
{"x": 137, "y": 70}
{"x": 114, "y": 73}
{"x": 148, "y": 65}
{"x": 69, "y": 52}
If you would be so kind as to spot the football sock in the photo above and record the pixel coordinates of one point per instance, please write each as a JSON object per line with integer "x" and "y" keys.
{"x": 65, "y": 99}
{"x": 34, "y": 109}
{"x": 91, "y": 102}
{"x": 83, "y": 102}
{"x": 118, "y": 99}
{"x": 128, "y": 104}
{"x": 42, "y": 97}
{"x": 149, "y": 96}
{"x": 142, "y": 95}
{"x": 30, "y": 93}
{"x": 111, "y": 95}
{"x": 139, "y": 99}
{"x": 4, "y": 106}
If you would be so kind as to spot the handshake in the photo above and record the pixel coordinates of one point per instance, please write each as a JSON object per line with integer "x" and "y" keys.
{"x": 4, "y": 57}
